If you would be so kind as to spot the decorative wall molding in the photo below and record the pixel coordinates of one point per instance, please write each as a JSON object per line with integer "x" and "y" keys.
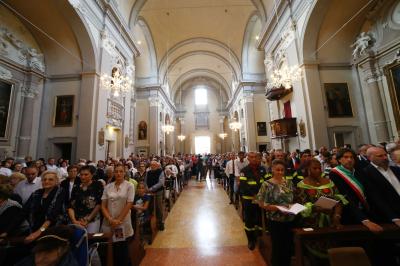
{"x": 5, "y": 74}
{"x": 17, "y": 51}
{"x": 29, "y": 91}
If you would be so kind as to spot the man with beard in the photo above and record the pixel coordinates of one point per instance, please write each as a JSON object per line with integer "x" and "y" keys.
{"x": 154, "y": 181}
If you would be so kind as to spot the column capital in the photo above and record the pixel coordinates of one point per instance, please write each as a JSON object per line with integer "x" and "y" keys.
{"x": 154, "y": 101}
{"x": 5, "y": 74}
{"x": 29, "y": 91}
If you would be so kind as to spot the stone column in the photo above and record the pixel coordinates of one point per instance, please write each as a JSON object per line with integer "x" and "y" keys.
{"x": 28, "y": 93}
{"x": 251, "y": 134}
{"x": 377, "y": 120}
{"x": 153, "y": 124}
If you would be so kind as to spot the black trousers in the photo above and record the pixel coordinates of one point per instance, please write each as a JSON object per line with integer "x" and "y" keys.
{"x": 252, "y": 219}
{"x": 121, "y": 253}
{"x": 282, "y": 242}
{"x": 231, "y": 188}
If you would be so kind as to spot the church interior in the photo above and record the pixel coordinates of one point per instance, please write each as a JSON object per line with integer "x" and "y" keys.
{"x": 103, "y": 80}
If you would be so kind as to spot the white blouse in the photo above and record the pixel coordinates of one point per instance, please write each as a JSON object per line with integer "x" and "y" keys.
{"x": 116, "y": 201}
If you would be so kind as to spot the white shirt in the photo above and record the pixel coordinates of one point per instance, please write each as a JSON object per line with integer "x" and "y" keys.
{"x": 116, "y": 201}
{"x": 229, "y": 168}
{"x": 240, "y": 165}
{"x": 173, "y": 168}
{"x": 25, "y": 189}
{"x": 52, "y": 167}
{"x": 390, "y": 177}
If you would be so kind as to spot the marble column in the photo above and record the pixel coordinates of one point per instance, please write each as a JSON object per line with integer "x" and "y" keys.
{"x": 251, "y": 134}
{"x": 378, "y": 122}
{"x": 154, "y": 125}
{"x": 29, "y": 94}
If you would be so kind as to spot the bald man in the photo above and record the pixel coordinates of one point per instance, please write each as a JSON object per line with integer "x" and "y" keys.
{"x": 382, "y": 184}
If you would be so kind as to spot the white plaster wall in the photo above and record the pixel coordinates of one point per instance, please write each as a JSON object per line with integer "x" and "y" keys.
{"x": 261, "y": 114}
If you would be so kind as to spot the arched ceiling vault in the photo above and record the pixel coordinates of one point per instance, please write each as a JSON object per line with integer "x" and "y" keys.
{"x": 188, "y": 35}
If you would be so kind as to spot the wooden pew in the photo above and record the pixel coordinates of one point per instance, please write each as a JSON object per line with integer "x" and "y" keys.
{"x": 104, "y": 238}
{"x": 153, "y": 219}
{"x": 136, "y": 248}
{"x": 357, "y": 233}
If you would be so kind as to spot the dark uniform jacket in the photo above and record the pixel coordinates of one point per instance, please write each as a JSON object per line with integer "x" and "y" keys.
{"x": 249, "y": 182}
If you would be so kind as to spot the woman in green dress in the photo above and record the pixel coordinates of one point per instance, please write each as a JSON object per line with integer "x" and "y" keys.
{"x": 307, "y": 193}
{"x": 275, "y": 192}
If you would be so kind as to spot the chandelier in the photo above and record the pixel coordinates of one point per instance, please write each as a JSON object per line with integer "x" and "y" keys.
{"x": 235, "y": 125}
{"x": 285, "y": 77}
{"x": 168, "y": 128}
{"x": 181, "y": 137}
{"x": 222, "y": 135}
{"x": 117, "y": 84}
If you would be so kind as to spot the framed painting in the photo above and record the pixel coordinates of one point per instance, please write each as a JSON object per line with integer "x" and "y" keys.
{"x": 6, "y": 90}
{"x": 392, "y": 73}
{"x": 338, "y": 100}
{"x": 261, "y": 128}
{"x": 64, "y": 108}
{"x": 142, "y": 132}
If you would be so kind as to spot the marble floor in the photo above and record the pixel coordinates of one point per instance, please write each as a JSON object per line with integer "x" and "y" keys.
{"x": 202, "y": 229}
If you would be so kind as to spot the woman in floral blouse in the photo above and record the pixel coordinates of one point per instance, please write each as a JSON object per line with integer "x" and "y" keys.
{"x": 275, "y": 192}
{"x": 307, "y": 193}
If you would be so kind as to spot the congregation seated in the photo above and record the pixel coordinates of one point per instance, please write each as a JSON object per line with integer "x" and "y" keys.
{"x": 25, "y": 188}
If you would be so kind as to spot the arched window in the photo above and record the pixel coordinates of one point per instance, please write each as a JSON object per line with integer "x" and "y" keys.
{"x": 200, "y": 96}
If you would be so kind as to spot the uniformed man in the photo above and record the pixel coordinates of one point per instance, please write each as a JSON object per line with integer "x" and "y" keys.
{"x": 252, "y": 176}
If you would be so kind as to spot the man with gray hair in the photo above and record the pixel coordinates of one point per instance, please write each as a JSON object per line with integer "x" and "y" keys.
{"x": 154, "y": 182}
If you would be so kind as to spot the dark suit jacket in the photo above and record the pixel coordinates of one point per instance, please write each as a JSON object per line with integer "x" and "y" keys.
{"x": 361, "y": 163}
{"x": 65, "y": 185}
{"x": 383, "y": 199}
{"x": 355, "y": 211}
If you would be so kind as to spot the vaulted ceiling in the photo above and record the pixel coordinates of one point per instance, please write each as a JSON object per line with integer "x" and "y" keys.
{"x": 192, "y": 38}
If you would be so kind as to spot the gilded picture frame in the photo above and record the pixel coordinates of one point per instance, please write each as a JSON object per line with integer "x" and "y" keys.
{"x": 338, "y": 100}
{"x": 6, "y": 96}
{"x": 392, "y": 73}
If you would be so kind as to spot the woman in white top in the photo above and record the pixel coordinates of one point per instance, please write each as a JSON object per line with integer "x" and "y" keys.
{"x": 116, "y": 206}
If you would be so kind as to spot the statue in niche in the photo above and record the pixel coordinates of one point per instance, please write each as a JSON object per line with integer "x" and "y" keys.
{"x": 142, "y": 135}
{"x": 362, "y": 43}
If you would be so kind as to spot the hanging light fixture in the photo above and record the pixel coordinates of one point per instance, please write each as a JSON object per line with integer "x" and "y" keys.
{"x": 285, "y": 76}
{"x": 235, "y": 125}
{"x": 117, "y": 84}
{"x": 168, "y": 128}
{"x": 181, "y": 137}
{"x": 222, "y": 135}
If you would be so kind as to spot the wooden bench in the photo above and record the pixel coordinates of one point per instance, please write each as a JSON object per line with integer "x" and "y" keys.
{"x": 136, "y": 247}
{"x": 357, "y": 233}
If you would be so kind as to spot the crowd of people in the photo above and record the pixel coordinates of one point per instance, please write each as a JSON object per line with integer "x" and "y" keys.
{"x": 108, "y": 196}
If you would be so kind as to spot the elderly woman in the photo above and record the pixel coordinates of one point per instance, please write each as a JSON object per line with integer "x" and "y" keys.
{"x": 45, "y": 207}
{"x": 109, "y": 176}
{"x": 85, "y": 201}
{"x": 116, "y": 206}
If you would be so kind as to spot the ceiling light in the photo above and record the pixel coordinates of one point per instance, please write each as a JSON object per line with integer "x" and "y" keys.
{"x": 257, "y": 37}
{"x": 139, "y": 42}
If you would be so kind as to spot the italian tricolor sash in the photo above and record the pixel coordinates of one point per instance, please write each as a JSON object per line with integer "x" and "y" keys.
{"x": 350, "y": 180}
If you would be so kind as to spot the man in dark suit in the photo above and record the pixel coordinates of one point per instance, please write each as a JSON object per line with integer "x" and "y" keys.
{"x": 383, "y": 187}
{"x": 362, "y": 160}
{"x": 70, "y": 182}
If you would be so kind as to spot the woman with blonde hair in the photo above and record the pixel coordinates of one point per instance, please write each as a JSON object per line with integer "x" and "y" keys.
{"x": 16, "y": 177}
